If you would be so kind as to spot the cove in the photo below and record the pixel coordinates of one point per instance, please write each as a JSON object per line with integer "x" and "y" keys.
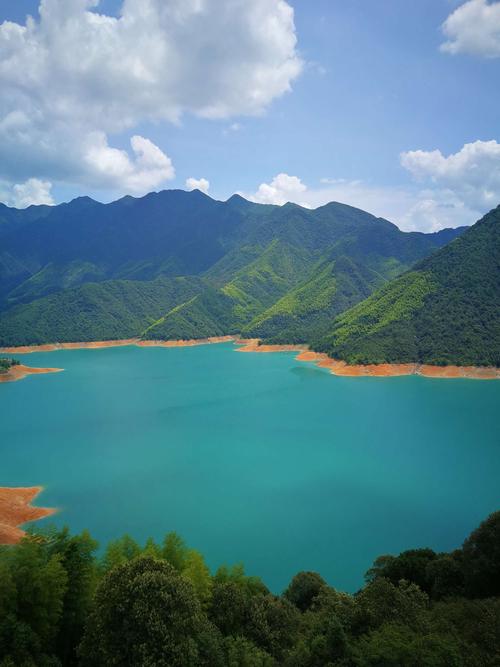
{"x": 254, "y": 457}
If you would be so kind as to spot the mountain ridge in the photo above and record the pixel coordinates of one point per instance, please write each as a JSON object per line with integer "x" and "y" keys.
{"x": 243, "y": 257}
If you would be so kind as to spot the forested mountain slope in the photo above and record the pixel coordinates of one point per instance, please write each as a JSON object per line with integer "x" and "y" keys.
{"x": 446, "y": 310}
{"x": 270, "y": 271}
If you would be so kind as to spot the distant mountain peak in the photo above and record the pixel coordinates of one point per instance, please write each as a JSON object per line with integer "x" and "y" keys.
{"x": 83, "y": 200}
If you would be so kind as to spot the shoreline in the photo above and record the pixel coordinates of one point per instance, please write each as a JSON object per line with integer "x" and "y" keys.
{"x": 101, "y": 344}
{"x": 343, "y": 369}
{"x": 19, "y": 372}
{"x": 335, "y": 366}
{"x": 16, "y": 509}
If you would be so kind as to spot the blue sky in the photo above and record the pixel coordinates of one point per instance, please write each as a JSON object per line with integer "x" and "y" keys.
{"x": 374, "y": 83}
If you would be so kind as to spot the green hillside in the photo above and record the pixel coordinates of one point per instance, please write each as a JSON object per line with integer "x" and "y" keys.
{"x": 87, "y": 271}
{"x": 445, "y": 311}
{"x": 95, "y": 311}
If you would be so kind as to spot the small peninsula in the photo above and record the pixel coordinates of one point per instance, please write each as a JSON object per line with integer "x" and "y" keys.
{"x": 16, "y": 509}
{"x": 12, "y": 370}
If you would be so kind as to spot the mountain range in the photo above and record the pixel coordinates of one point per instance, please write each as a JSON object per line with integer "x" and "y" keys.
{"x": 181, "y": 265}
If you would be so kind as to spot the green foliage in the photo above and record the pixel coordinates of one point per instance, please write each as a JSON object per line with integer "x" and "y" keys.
{"x": 481, "y": 558}
{"x": 304, "y": 588}
{"x": 95, "y": 311}
{"x": 60, "y": 604}
{"x": 6, "y": 364}
{"x": 175, "y": 551}
{"x": 187, "y": 267}
{"x": 411, "y": 565}
{"x": 445, "y": 311}
{"x": 202, "y": 316}
{"x": 240, "y": 652}
{"x": 146, "y": 613}
{"x": 395, "y": 645}
{"x": 197, "y": 572}
{"x": 357, "y": 332}
{"x": 118, "y": 552}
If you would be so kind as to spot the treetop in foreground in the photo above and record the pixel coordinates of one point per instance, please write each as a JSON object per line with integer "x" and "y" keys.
{"x": 158, "y": 604}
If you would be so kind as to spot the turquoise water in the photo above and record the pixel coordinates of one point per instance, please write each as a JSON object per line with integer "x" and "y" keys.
{"x": 254, "y": 457}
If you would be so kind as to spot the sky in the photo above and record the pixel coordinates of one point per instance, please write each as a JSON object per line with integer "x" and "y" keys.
{"x": 391, "y": 106}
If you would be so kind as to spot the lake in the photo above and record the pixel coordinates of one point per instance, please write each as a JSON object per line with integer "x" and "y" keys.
{"x": 254, "y": 457}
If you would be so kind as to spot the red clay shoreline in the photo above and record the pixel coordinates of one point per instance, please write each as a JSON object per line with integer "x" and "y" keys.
{"x": 100, "y": 344}
{"x": 16, "y": 509}
{"x": 335, "y": 366}
{"x": 19, "y": 372}
{"x": 341, "y": 368}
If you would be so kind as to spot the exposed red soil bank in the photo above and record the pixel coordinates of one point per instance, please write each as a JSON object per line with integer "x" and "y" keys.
{"x": 16, "y": 509}
{"x": 252, "y": 345}
{"x": 51, "y": 347}
{"x": 185, "y": 343}
{"x": 388, "y": 370}
{"x": 336, "y": 366}
{"x": 19, "y": 372}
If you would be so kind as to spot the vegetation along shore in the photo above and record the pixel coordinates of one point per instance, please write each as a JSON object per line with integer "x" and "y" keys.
{"x": 335, "y": 366}
{"x": 159, "y": 604}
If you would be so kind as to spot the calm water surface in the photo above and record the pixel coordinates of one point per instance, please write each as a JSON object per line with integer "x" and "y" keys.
{"x": 254, "y": 457}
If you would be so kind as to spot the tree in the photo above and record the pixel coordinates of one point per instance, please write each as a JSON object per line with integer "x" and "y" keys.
{"x": 151, "y": 549}
{"x": 381, "y": 602}
{"x": 395, "y": 645}
{"x": 303, "y": 588}
{"x": 76, "y": 557}
{"x": 32, "y": 588}
{"x": 272, "y": 624}
{"x": 174, "y": 551}
{"x": 236, "y": 574}
{"x": 119, "y": 552}
{"x": 146, "y": 613}
{"x": 445, "y": 576}
{"x": 240, "y": 652}
{"x": 410, "y": 565}
{"x": 196, "y": 570}
{"x": 229, "y": 608}
{"x": 481, "y": 559}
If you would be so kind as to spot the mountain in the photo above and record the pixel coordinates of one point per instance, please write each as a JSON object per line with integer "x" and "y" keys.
{"x": 113, "y": 309}
{"x": 446, "y": 310}
{"x": 86, "y": 270}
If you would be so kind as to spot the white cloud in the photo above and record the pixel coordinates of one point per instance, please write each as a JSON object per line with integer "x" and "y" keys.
{"x": 31, "y": 192}
{"x": 198, "y": 184}
{"x": 281, "y": 189}
{"x": 411, "y": 208}
{"x": 74, "y": 76}
{"x": 112, "y": 167}
{"x": 473, "y": 28}
{"x": 472, "y": 174}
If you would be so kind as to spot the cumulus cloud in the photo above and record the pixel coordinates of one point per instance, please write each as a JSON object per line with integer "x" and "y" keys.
{"x": 75, "y": 76}
{"x": 448, "y": 191}
{"x": 198, "y": 184}
{"x": 411, "y": 208}
{"x": 472, "y": 174}
{"x": 31, "y": 192}
{"x": 473, "y": 28}
{"x": 283, "y": 188}
{"x": 115, "y": 168}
